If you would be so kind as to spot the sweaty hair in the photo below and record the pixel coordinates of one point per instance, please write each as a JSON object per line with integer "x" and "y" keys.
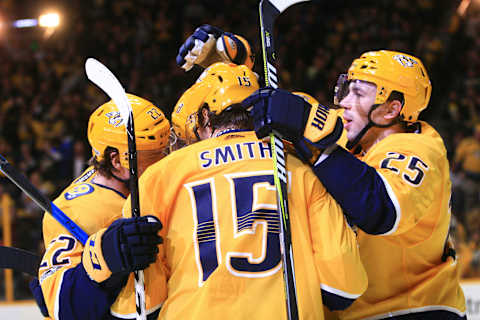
{"x": 396, "y": 95}
{"x": 104, "y": 167}
{"x": 235, "y": 116}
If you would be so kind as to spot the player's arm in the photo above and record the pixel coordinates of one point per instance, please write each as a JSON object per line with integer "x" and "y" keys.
{"x": 364, "y": 194}
{"x": 314, "y": 130}
{"x": 209, "y": 44}
{"x": 83, "y": 283}
{"x": 341, "y": 272}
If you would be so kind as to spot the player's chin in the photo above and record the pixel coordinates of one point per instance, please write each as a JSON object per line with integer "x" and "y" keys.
{"x": 351, "y": 134}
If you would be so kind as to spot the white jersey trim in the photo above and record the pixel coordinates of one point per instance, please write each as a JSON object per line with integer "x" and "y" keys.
{"x": 339, "y": 292}
{"x": 396, "y": 204}
{"x": 416, "y": 310}
{"x": 134, "y": 315}
{"x": 56, "y": 306}
{"x": 325, "y": 154}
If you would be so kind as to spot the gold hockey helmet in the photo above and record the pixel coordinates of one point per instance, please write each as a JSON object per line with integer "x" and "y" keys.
{"x": 393, "y": 71}
{"x": 219, "y": 86}
{"x": 106, "y": 128}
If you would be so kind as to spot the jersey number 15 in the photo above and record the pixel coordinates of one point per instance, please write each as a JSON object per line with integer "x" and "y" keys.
{"x": 252, "y": 204}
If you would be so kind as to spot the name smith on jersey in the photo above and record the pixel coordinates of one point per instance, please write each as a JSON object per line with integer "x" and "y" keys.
{"x": 234, "y": 152}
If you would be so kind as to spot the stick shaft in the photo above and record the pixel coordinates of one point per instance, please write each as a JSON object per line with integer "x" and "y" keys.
{"x": 268, "y": 13}
{"x": 29, "y": 189}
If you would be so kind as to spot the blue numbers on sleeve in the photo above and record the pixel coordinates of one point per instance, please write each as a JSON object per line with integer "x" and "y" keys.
{"x": 413, "y": 173}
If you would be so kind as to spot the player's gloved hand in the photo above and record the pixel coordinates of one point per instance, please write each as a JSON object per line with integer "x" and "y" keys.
{"x": 129, "y": 244}
{"x": 310, "y": 128}
{"x": 209, "y": 44}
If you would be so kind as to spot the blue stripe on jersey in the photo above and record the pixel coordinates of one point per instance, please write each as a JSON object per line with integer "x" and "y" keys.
{"x": 359, "y": 190}
{"x": 334, "y": 302}
{"x": 109, "y": 188}
{"x": 82, "y": 298}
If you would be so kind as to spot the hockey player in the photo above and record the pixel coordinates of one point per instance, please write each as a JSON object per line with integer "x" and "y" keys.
{"x": 206, "y": 46}
{"x": 394, "y": 186}
{"x": 221, "y": 253}
{"x": 82, "y": 283}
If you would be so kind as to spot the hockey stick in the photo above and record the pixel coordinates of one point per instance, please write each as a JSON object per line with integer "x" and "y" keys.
{"x": 106, "y": 80}
{"x": 19, "y": 260}
{"x": 269, "y": 10}
{"x": 26, "y": 186}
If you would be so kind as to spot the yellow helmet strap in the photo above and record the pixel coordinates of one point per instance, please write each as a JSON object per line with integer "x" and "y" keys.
{"x": 126, "y": 182}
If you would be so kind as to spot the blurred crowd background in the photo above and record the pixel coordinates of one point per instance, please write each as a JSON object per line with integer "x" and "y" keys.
{"x": 46, "y": 99}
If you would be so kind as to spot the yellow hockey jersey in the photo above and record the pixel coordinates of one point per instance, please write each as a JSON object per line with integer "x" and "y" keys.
{"x": 221, "y": 256}
{"x": 404, "y": 266}
{"x": 92, "y": 207}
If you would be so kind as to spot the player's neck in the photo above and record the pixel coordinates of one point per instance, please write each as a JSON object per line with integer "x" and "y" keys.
{"x": 112, "y": 183}
{"x": 376, "y": 134}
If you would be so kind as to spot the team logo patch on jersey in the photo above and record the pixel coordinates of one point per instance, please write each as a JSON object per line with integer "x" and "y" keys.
{"x": 78, "y": 191}
{"x": 114, "y": 118}
{"x": 404, "y": 60}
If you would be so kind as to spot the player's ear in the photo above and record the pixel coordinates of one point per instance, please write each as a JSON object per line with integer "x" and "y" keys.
{"x": 205, "y": 117}
{"x": 392, "y": 109}
{"x": 115, "y": 160}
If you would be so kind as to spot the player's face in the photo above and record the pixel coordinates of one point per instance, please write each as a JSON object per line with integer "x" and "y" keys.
{"x": 357, "y": 104}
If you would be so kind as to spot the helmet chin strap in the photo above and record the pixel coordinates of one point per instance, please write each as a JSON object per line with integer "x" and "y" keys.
{"x": 124, "y": 181}
{"x": 353, "y": 145}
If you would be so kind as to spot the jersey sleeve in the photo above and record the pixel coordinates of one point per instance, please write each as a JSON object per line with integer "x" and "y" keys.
{"x": 68, "y": 291}
{"x": 417, "y": 180}
{"x": 340, "y": 270}
{"x": 390, "y": 191}
{"x": 360, "y": 191}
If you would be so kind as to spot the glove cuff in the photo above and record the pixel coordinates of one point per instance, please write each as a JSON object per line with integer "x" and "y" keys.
{"x": 92, "y": 258}
{"x": 235, "y": 49}
{"x": 307, "y": 151}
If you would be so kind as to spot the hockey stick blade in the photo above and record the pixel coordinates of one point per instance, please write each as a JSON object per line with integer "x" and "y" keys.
{"x": 30, "y": 190}
{"x": 282, "y": 5}
{"x": 19, "y": 260}
{"x": 106, "y": 80}
{"x": 100, "y": 75}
